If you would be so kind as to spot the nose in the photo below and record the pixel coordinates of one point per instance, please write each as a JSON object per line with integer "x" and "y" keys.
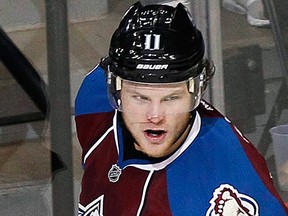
{"x": 155, "y": 113}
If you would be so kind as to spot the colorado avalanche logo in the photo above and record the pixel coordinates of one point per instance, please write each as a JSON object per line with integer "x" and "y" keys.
{"x": 227, "y": 201}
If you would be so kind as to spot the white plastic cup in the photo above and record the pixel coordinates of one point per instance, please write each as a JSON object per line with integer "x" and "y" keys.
{"x": 279, "y": 136}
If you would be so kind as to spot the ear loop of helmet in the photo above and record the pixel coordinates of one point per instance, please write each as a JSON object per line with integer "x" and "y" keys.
{"x": 210, "y": 69}
{"x": 198, "y": 89}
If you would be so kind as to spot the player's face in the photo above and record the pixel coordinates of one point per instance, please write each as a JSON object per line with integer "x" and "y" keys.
{"x": 154, "y": 116}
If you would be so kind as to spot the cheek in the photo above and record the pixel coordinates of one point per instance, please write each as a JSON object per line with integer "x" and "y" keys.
{"x": 132, "y": 120}
{"x": 178, "y": 122}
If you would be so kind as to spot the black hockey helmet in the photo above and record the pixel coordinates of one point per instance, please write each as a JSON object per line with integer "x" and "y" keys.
{"x": 156, "y": 44}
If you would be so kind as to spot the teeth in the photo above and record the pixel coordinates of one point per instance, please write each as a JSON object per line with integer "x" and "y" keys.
{"x": 155, "y": 132}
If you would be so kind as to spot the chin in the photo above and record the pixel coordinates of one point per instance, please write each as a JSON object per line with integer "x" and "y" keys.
{"x": 153, "y": 150}
{"x": 154, "y": 154}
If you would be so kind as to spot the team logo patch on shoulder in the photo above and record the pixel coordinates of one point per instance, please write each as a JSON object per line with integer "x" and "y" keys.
{"x": 114, "y": 173}
{"x": 227, "y": 201}
{"x": 95, "y": 208}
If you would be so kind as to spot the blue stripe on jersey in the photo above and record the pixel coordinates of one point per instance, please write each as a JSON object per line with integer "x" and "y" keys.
{"x": 209, "y": 162}
{"x": 92, "y": 96}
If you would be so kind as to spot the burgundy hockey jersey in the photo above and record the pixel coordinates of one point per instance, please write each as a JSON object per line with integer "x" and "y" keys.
{"x": 216, "y": 171}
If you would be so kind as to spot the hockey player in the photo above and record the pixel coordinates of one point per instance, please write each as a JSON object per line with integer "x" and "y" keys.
{"x": 151, "y": 145}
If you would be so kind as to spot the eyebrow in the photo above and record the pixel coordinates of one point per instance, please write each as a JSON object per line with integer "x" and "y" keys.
{"x": 178, "y": 91}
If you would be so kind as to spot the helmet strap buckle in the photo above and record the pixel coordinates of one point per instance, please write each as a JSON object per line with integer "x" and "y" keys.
{"x": 191, "y": 86}
{"x": 118, "y": 83}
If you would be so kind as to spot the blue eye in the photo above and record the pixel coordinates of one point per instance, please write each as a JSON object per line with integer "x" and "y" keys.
{"x": 140, "y": 97}
{"x": 172, "y": 98}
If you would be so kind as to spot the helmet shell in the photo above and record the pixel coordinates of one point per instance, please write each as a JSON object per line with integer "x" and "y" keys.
{"x": 156, "y": 44}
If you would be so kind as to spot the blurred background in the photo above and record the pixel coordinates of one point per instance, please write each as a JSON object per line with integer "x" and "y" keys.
{"x": 46, "y": 49}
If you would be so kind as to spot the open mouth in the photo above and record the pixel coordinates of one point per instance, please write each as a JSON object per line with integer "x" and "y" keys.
{"x": 155, "y": 134}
